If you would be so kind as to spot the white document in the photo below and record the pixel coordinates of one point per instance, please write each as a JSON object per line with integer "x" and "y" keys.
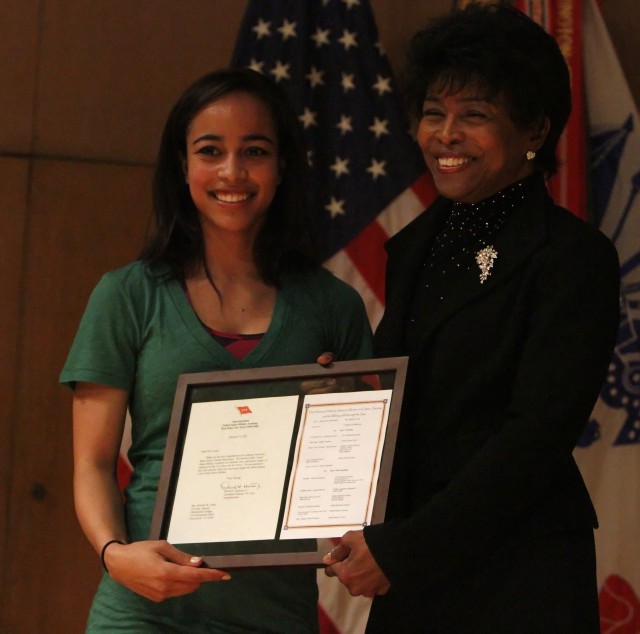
{"x": 233, "y": 470}
{"x": 335, "y": 468}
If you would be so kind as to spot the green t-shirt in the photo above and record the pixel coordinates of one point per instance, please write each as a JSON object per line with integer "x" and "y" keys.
{"x": 139, "y": 333}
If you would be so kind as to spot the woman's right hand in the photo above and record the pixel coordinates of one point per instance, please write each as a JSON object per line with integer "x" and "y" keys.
{"x": 157, "y": 570}
{"x": 154, "y": 569}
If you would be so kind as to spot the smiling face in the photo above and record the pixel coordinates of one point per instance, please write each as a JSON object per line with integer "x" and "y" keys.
{"x": 472, "y": 147}
{"x": 232, "y": 164}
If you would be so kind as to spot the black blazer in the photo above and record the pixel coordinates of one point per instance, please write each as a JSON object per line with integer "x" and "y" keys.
{"x": 502, "y": 379}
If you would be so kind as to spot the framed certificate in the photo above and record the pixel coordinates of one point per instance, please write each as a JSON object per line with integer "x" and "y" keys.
{"x": 263, "y": 467}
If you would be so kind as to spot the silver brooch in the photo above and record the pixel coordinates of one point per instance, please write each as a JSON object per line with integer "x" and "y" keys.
{"x": 484, "y": 259}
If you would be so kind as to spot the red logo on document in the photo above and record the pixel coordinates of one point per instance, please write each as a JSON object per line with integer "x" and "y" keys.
{"x": 244, "y": 409}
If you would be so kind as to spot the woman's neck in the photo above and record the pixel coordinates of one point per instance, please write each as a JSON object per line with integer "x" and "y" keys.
{"x": 226, "y": 289}
{"x": 230, "y": 257}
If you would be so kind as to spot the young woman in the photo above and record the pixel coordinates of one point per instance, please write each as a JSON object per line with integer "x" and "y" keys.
{"x": 226, "y": 281}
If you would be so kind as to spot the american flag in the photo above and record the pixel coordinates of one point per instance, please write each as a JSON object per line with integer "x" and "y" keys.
{"x": 368, "y": 177}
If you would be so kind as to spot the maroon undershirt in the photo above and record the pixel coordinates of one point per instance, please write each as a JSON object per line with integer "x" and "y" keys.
{"x": 238, "y": 345}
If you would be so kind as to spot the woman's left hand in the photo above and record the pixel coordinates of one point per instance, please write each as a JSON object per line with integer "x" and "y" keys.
{"x": 326, "y": 359}
{"x": 157, "y": 570}
{"x": 352, "y": 562}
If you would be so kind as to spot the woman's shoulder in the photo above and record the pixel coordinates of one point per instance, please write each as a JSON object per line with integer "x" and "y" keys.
{"x": 321, "y": 289}
{"x": 135, "y": 284}
{"x": 136, "y": 275}
{"x": 567, "y": 228}
{"x": 133, "y": 272}
{"x": 577, "y": 250}
{"x": 321, "y": 280}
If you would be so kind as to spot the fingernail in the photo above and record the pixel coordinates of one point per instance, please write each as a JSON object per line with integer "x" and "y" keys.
{"x": 194, "y": 560}
{"x": 226, "y": 578}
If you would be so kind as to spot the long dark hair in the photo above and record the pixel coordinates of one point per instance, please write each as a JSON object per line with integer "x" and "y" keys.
{"x": 285, "y": 241}
{"x": 497, "y": 49}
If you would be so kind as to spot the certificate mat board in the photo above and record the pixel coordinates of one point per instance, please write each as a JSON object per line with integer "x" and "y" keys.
{"x": 263, "y": 467}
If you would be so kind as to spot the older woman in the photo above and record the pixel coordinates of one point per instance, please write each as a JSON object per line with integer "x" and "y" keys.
{"x": 507, "y": 306}
{"x": 227, "y": 280}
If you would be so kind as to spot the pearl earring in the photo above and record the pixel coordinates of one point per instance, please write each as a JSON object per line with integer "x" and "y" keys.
{"x": 531, "y": 155}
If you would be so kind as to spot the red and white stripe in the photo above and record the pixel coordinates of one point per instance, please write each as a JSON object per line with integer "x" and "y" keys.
{"x": 362, "y": 262}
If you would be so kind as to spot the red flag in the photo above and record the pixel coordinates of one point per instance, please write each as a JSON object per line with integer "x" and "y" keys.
{"x": 563, "y": 20}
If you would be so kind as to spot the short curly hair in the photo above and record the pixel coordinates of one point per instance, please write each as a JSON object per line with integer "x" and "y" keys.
{"x": 500, "y": 51}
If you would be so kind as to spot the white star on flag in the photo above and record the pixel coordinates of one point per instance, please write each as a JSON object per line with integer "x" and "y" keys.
{"x": 340, "y": 167}
{"x": 348, "y": 39}
{"x": 256, "y": 65}
{"x": 308, "y": 118}
{"x": 377, "y": 169}
{"x": 382, "y": 85}
{"x": 315, "y": 77}
{"x": 287, "y": 30}
{"x": 321, "y": 37}
{"x": 379, "y": 127}
{"x": 335, "y": 207}
{"x": 345, "y": 124}
{"x": 347, "y": 82}
{"x": 281, "y": 71}
{"x": 262, "y": 29}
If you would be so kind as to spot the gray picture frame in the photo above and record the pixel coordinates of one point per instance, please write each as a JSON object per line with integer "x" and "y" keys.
{"x": 343, "y": 376}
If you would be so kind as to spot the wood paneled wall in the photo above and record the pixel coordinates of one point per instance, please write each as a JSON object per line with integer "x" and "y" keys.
{"x": 85, "y": 89}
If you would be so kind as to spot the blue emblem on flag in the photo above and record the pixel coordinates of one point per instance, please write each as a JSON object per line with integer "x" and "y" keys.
{"x": 622, "y": 385}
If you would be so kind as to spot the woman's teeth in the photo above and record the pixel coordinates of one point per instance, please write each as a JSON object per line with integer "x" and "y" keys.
{"x": 231, "y": 198}
{"x": 452, "y": 162}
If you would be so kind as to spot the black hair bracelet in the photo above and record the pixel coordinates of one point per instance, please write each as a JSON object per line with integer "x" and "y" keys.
{"x": 104, "y": 548}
